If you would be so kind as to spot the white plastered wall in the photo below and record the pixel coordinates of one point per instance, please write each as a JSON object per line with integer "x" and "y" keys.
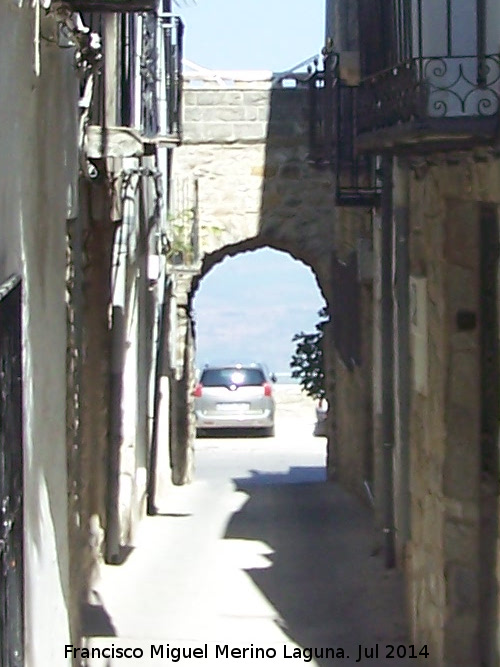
{"x": 38, "y": 140}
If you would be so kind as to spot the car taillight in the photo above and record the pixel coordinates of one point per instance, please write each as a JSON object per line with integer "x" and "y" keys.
{"x": 268, "y": 390}
{"x": 197, "y": 390}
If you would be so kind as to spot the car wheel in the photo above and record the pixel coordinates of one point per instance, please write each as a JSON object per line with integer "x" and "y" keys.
{"x": 269, "y": 432}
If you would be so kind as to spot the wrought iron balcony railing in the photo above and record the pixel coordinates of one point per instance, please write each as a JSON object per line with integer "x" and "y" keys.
{"x": 322, "y": 111}
{"x": 356, "y": 179}
{"x": 161, "y": 77}
{"x": 319, "y": 154}
{"x": 332, "y": 125}
{"x": 435, "y": 98}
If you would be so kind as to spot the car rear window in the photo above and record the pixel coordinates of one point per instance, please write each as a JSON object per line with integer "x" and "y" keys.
{"x": 225, "y": 377}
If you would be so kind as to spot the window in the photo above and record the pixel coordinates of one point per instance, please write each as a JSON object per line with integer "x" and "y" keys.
{"x": 377, "y": 34}
{"x": 225, "y": 377}
{"x": 393, "y": 31}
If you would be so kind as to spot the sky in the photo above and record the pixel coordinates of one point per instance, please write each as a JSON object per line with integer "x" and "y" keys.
{"x": 257, "y": 34}
{"x": 249, "y": 307}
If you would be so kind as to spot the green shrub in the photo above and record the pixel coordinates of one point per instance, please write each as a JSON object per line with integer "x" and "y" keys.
{"x": 307, "y": 362}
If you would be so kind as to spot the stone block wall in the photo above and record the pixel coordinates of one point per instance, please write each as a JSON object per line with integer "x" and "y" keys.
{"x": 444, "y": 568}
{"x": 222, "y": 115}
{"x": 247, "y": 114}
{"x": 351, "y": 442}
{"x": 247, "y": 146}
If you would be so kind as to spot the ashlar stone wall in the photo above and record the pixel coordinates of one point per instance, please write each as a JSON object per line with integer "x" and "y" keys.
{"x": 351, "y": 448}
{"x": 247, "y": 147}
{"x": 453, "y": 591}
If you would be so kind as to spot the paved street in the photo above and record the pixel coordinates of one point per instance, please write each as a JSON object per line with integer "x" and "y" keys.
{"x": 258, "y": 553}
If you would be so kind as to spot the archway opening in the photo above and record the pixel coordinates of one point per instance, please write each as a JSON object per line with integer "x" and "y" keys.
{"x": 249, "y": 306}
{"x": 247, "y": 309}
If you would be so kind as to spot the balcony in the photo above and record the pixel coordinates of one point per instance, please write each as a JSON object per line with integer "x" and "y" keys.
{"x": 161, "y": 78}
{"x": 119, "y": 6}
{"x": 149, "y": 109}
{"x": 430, "y": 103}
{"x": 332, "y": 138}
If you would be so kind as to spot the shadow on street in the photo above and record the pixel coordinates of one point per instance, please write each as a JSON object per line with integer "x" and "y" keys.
{"x": 325, "y": 581}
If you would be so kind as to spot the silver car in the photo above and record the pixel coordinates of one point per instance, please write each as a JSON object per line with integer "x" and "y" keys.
{"x": 239, "y": 396}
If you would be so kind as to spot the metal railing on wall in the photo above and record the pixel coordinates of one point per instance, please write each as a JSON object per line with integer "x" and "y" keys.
{"x": 323, "y": 85}
{"x": 357, "y": 183}
{"x": 441, "y": 87}
{"x": 332, "y": 136}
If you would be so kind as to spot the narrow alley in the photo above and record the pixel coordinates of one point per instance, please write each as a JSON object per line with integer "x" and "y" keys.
{"x": 147, "y": 144}
{"x": 258, "y": 551}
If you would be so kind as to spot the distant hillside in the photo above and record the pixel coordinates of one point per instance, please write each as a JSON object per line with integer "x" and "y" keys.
{"x": 250, "y": 306}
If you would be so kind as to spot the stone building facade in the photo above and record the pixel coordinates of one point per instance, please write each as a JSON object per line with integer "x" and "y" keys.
{"x": 434, "y": 375}
{"x": 454, "y": 412}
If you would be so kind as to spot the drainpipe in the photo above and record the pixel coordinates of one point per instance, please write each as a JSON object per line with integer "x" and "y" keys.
{"x": 143, "y": 362}
{"x": 387, "y": 355}
{"x": 115, "y": 439}
{"x": 402, "y": 366}
{"x": 159, "y": 374}
{"x": 112, "y": 547}
{"x": 162, "y": 333}
{"x": 117, "y": 361}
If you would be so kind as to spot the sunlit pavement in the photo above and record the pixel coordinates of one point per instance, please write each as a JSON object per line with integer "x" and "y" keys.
{"x": 258, "y": 553}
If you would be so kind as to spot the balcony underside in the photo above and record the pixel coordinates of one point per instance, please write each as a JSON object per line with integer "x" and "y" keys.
{"x": 122, "y": 142}
{"x": 430, "y": 135}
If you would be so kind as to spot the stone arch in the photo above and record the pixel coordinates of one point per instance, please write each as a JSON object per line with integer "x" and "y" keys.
{"x": 210, "y": 260}
{"x": 182, "y": 450}
{"x": 244, "y": 158}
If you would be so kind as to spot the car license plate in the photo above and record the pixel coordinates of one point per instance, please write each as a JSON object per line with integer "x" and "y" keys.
{"x": 233, "y": 407}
